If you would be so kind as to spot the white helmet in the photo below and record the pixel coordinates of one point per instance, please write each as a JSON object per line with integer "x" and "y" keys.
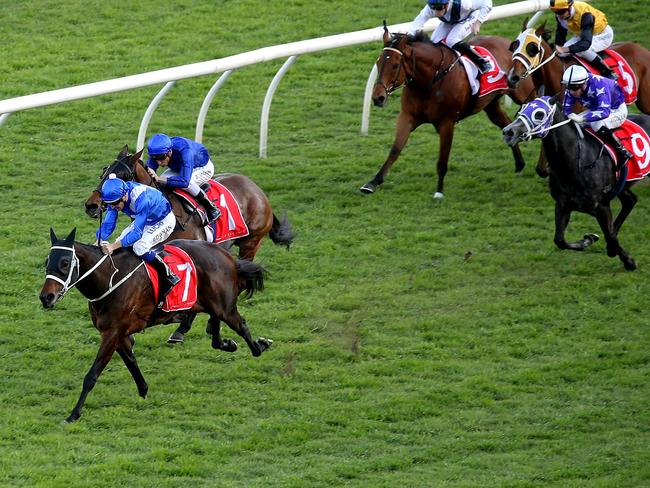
{"x": 574, "y": 76}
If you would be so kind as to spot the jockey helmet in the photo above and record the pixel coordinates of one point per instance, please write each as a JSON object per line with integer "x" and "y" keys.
{"x": 561, "y": 5}
{"x": 113, "y": 189}
{"x": 575, "y": 76}
{"x": 437, "y": 3}
{"x": 159, "y": 144}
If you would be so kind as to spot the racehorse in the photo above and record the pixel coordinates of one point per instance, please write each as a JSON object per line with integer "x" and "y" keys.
{"x": 533, "y": 58}
{"x": 254, "y": 204}
{"x": 582, "y": 176}
{"x": 436, "y": 91}
{"x": 121, "y": 298}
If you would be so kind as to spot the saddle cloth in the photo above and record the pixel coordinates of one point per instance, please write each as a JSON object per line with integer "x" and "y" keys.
{"x": 183, "y": 295}
{"x": 626, "y": 77}
{"x": 231, "y": 223}
{"x": 635, "y": 140}
{"x": 493, "y": 80}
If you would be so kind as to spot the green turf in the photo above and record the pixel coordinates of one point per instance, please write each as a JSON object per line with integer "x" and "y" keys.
{"x": 417, "y": 343}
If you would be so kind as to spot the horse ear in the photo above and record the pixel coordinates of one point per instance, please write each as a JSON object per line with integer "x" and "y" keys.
{"x": 387, "y": 36}
{"x": 137, "y": 156}
{"x": 53, "y": 237}
{"x": 124, "y": 152}
{"x": 555, "y": 99}
{"x": 71, "y": 236}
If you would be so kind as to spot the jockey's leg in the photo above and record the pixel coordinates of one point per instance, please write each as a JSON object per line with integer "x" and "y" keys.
{"x": 605, "y": 70}
{"x": 481, "y": 63}
{"x": 167, "y": 278}
{"x": 199, "y": 177}
{"x": 622, "y": 154}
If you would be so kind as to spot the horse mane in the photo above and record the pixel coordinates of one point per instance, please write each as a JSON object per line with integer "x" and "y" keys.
{"x": 419, "y": 36}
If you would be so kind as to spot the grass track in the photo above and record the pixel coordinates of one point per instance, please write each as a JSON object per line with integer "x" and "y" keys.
{"x": 396, "y": 361}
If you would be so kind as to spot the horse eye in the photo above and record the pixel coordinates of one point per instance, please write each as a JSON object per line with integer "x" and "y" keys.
{"x": 514, "y": 46}
{"x": 65, "y": 264}
{"x": 538, "y": 116}
{"x": 532, "y": 50}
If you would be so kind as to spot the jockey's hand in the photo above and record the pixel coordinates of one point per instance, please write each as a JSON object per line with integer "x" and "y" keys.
{"x": 562, "y": 51}
{"x": 577, "y": 118}
{"x": 152, "y": 173}
{"x": 107, "y": 247}
{"x": 476, "y": 27}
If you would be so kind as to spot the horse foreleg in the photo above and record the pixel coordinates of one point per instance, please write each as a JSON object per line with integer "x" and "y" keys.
{"x": 237, "y": 323}
{"x": 562, "y": 217}
{"x": 446, "y": 137}
{"x": 542, "y": 164}
{"x": 217, "y": 343}
{"x": 499, "y": 118}
{"x": 125, "y": 350}
{"x": 107, "y": 347}
{"x": 178, "y": 336}
{"x": 405, "y": 125}
{"x": 628, "y": 201}
{"x": 604, "y": 216}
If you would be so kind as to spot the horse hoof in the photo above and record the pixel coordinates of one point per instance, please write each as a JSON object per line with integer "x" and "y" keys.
{"x": 176, "y": 338}
{"x": 629, "y": 265}
{"x": 266, "y": 343}
{"x": 591, "y": 238}
{"x": 438, "y": 195}
{"x": 368, "y": 188}
{"x": 542, "y": 173}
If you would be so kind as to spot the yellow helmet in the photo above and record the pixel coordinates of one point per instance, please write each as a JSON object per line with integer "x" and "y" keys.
{"x": 561, "y": 5}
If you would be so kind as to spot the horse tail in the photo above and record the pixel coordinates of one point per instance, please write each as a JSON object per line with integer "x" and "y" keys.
{"x": 250, "y": 276}
{"x": 281, "y": 233}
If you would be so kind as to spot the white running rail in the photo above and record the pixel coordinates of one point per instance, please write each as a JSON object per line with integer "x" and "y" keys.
{"x": 225, "y": 65}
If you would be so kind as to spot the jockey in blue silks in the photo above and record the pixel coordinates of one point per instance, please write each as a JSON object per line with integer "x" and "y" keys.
{"x": 605, "y": 103}
{"x": 459, "y": 19}
{"x": 189, "y": 167}
{"x": 153, "y": 222}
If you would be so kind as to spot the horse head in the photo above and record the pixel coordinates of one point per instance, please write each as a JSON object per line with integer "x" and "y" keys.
{"x": 528, "y": 52}
{"x": 125, "y": 167}
{"x": 391, "y": 66}
{"x": 533, "y": 121}
{"x": 61, "y": 268}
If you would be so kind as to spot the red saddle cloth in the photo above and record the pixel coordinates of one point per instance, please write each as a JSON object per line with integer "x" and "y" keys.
{"x": 626, "y": 77}
{"x": 231, "y": 224}
{"x": 493, "y": 80}
{"x": 635, "y": 140}
{"x": 183, "y": 295}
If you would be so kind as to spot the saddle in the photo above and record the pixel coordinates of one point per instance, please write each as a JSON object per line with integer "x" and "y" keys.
{"x": 635, "y": 140}
{"x": 488, "y": 82}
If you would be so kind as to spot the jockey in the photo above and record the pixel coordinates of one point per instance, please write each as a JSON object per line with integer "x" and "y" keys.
{"x": 591, "y": 33}
{"x": 153, "y": 222}
{"x": 459, "y": 19}
{"x": 605, "y": 103}
{"x": 189, "y": 167}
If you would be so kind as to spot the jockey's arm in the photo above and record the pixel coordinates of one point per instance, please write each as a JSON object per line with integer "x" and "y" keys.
{"x": 108, "y": 225}
{"x": 482, "y": 9}
{"x": 586, "y": 34}
{"x": 182, "y": 179}
{"x": 560, "y": 33}
{"x": 418, "y": 23}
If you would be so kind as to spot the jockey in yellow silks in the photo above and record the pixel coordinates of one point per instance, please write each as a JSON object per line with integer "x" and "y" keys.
{"x": 591, "y": 33}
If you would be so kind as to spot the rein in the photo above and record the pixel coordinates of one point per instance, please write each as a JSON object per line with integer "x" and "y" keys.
{"x": 394, "y": 86}
{"x": 67, "y": 285}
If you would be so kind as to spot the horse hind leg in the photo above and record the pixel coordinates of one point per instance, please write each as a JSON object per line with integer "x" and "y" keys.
{"x": 562, "y": 216}
{"x": 614, "y": 248}
{"x": 227, "y": 345}
{"x": 237, "y": 323}
{"x": 178, "y": 336}
{"x": 628, "y": 201}
{"x": 499, "y": 118}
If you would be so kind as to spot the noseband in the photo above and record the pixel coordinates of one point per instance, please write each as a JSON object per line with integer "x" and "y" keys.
{"x": 394, "y": 85}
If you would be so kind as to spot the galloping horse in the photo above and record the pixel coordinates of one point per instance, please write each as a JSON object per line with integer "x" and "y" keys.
{"x": 436, "y": 91}
{"x": 582, "y": 176}
{"x": 121, "y": 298}
{"x": 254, "y": 204}
{"x": 533, "y": 57}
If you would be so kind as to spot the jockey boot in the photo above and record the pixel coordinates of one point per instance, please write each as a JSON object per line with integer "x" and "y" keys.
{"x": 622, "y": 154}
{"x": 166, "y": 278}
{"x": 210, "y": 208}
{"x": 605, "y": 70}
{"x": 483, "y": 64}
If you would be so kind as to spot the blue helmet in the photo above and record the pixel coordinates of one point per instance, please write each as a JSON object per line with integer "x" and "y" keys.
{"x": 437, "y": 2}
{"x": 113, "y": 189}
{"x": 159, "y": 144}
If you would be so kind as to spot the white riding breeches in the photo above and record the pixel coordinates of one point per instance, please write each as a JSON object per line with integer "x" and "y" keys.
{"x": 152, "y": 234}
{"x": 599, "y": 43}
{"x": 200, "y": 176}
{"x": 615, "y": 119}
{"x": 452, "y": 33}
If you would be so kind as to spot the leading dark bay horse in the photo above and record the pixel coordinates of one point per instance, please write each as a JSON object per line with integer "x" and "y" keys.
{"x": 254, "y": 204}
{"x": 437, "y": 91}
{"x": 121, "y": 298}
{"x": 582, "y": 176}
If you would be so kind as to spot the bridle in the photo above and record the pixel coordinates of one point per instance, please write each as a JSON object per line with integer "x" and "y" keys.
{"x": 395, "y": 84}
{"x": 531, "y": 63}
